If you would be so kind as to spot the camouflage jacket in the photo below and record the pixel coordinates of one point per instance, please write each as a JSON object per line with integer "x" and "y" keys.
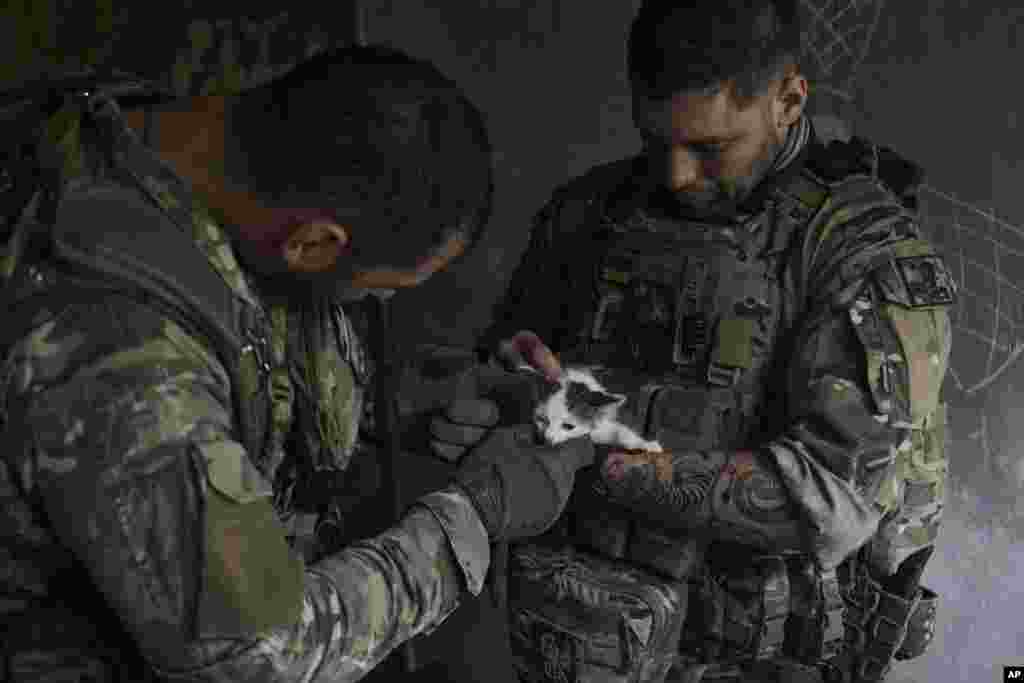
{"x": 825, "y": 390}
{"x": 185, "y": 48}
{"x": 132, "y": 505}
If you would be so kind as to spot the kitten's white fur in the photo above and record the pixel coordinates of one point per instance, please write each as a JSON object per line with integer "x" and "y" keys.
{"x": 557, "y": 424}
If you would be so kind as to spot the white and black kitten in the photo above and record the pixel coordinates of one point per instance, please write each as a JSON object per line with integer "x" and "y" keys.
{"x": 580, "y": 406}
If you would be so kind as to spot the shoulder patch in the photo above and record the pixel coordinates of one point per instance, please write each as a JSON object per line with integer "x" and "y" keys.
{"x": 230, "y": 472}
{"x": 916, "y": 277}
{"x": 252, "y": 582}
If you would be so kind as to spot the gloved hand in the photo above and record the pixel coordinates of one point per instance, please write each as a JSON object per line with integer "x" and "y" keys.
{"x": 519, "y": 488}
{"x": 488, "y": 396}
{"x": 503, "y": 393}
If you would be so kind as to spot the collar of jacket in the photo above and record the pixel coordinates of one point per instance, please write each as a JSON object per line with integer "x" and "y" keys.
{"x": 790, "y": 162}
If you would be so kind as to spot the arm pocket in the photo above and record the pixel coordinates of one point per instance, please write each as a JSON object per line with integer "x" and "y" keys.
{"x": 252, "y": 580}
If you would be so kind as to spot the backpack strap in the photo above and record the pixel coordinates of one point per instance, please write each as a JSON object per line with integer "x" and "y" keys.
{"x": 107, "y": 236}
{"x": 146, "y": 255}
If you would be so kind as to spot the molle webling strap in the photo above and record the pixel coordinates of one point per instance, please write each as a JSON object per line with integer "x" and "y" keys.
{"x": 692, "y": 335}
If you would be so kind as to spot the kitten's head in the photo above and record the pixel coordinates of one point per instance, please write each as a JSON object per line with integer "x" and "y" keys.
{"x": 573, "y": 409}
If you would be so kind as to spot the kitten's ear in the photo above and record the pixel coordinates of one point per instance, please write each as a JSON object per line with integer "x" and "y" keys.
{"x": 601, "y": 399}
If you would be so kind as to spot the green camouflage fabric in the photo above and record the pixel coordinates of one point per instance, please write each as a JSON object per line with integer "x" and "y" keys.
{"x": 847, "y": 359}
{"x": 129, "y": 501}
{"x": 187, "y": 48}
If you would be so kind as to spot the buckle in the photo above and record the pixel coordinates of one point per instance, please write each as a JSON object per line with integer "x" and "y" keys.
{"x": 722, "y": 376}
{"x": 773, "y": 633}
{"x": 832, "y": 625}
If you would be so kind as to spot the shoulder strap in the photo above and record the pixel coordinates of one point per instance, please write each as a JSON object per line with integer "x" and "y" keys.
{"x": 107, "y": 238}
{"x": 137, "y": 244}
{"x": 142, "y": 252}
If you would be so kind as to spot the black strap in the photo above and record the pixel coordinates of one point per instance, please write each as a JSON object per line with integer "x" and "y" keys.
{"x": 148, "y": 127}
{"x": 388, "y": 373}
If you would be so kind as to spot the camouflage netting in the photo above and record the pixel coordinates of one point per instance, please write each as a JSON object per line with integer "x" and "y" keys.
{"x": 191, "y": 48}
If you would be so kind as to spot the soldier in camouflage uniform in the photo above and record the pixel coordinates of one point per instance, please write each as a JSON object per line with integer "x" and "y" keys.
{"x": 780, "y": 326}
{"x": 181, "y": 383}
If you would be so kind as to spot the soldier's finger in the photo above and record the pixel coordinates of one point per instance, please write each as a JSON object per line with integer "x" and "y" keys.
{"x": 447, "y": 451}
{"x": 477, "y": 412}
{"x": 460, "y": 435}
{"x": 489, "y": 378}
{"x": 509, "y": 355}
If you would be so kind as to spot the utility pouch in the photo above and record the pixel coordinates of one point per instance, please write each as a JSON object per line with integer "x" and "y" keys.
{"x": 580, "y": 618}
{"x": 921, "y": 627}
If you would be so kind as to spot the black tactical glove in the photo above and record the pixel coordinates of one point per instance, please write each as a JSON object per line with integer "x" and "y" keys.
{"x": 518, "y": 487}
{"x": 488, "y": 396}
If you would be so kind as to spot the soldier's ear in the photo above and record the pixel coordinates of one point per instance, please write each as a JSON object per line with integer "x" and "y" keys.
{"x": 791, "y": 100}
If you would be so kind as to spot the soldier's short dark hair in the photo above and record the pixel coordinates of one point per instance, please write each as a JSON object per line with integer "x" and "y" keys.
{"x": 370, "y": 130}
{"x": 706, "y": 45}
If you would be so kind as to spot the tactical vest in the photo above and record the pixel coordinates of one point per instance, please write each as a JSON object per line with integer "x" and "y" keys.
{"x": 695, "y": 309}
{"x": 186, "y": 270}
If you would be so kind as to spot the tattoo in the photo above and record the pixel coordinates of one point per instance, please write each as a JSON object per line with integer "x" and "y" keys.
{"x": 660, "y": 485}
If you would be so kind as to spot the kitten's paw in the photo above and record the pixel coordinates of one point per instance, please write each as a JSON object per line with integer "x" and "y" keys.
{"x": 653, "y": 447}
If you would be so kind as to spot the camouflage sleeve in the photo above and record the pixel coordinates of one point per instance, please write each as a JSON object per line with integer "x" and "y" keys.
{"x": 133, "y": 458}
{"x": 864, "y": 381}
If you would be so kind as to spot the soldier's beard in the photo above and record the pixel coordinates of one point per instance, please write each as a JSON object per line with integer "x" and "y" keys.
{"x": 724, "y": 196}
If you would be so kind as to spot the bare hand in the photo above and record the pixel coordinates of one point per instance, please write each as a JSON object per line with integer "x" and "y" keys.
{"x": 526, "y": 349}
{"x": 618, "y": 464}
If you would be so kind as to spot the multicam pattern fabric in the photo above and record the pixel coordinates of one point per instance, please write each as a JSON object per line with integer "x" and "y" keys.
{"x": 798, "y": 401}
{"x": 127, "y": 492}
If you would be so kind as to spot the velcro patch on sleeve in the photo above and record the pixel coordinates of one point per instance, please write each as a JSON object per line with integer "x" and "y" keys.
{"x": 253, "y": 581}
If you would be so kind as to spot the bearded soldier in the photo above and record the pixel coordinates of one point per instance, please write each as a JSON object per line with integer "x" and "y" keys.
{"x": 183, "y": 379}
{"x": 793, "y": 383}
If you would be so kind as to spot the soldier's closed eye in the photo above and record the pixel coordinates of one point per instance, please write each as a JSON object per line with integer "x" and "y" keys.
{"x": 708, "y": 149}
